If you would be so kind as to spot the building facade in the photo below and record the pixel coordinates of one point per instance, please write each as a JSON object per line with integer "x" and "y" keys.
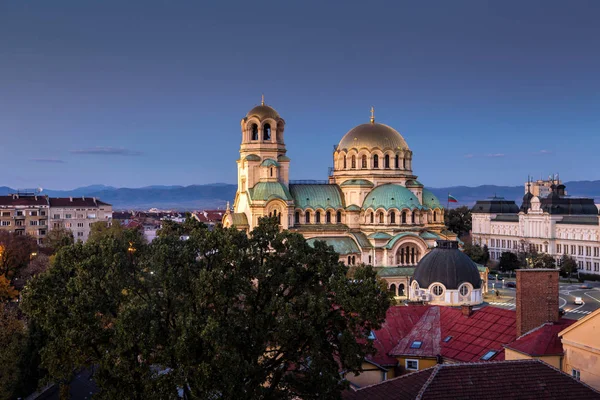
{"x": 581, "y": 342}
{"x": 372, "y": 209}
{"x": 78, "y": 214}
{"x": 25, "y": 214}
{"x": 556, "y": 224}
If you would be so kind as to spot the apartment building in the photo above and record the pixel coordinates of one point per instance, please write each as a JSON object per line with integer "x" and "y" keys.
{"x": 25, "y": 214}
{"x": 78, "y": 214}
{"x": 556, "y": 224}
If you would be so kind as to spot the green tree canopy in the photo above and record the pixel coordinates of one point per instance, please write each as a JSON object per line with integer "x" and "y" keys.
{"x": 57, "y": 238}
{"x": 478, "y": 254}
{"x": 568, "y": 265}
{"x": 217, "y": 314}
{"x": 509, "y": 261}
{"x": 15, "y": 253}
{"x": 458, "y": 220}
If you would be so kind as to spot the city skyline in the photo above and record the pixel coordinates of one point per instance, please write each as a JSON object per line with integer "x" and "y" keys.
{"x": 131, "y": 96}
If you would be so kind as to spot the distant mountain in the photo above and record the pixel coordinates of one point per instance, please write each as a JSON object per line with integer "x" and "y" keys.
{"x": 217, "y": 195}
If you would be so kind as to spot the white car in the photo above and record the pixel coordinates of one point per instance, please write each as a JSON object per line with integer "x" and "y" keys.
{"x": 578, "y": 301}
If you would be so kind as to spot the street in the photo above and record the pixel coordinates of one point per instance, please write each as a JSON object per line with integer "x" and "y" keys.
{"x": 567, "y": 294}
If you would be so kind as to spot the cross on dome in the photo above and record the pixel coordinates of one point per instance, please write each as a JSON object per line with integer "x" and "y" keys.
{"x": 372, "y": 114}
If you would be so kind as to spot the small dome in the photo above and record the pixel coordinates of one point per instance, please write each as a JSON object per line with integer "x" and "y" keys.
{"x": 269, "y": 162}
{"x": 391, "y": 196}
{"x": 263, "y": 111}
{"x": 371, "y": 136}
{"x": 447, "y": 265}
{"x": 252, "y": 157}
{"x": 429, "y": 199}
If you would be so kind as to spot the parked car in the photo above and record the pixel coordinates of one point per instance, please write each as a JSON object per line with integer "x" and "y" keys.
{"x": 511, "y": 284}
{"x": 585, "y": 286}
{"x": 578, "y": 301}
{"x": 491, "y": 278}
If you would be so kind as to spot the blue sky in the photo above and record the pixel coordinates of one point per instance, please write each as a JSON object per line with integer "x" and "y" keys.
{"x": 135, "y": 93}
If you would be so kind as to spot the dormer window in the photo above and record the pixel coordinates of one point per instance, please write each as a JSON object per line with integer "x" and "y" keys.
{"x": 267, "y": 132}
{"x": 416, "y": 344}
{"x": 372, "y": 336}
{"x": 447, "y": 339}
{"x": 254, "y": 129}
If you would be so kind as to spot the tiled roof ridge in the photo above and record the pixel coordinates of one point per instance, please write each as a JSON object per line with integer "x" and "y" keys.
{"x": 428, "y": 381}
{"x": 396, "y": 378}
{"x": 561, "y": 372}
{"x": 531, "y": 331}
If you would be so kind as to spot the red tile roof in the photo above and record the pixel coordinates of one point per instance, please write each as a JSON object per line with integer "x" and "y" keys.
{"x": 210, "y": 215}
{"x": 541, "y": 341}
{"x": 425, "y": 336}
{"x": 507, "y": 380}
{"x": 398, "y": 323}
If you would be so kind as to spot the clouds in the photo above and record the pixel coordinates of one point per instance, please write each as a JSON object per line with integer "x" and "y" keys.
{"x": 544, "y": 152}
{"x": 48, "y": 160}
{"x": 107, "y": 151}
{"x": 496, "y": 155}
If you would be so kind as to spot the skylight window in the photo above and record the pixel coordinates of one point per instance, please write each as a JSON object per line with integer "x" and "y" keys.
{"x": 447, "y": 339}
{"x": 489, "y": 355}
{"x": 416, "y": 344}
{"x": 372, "y": 335}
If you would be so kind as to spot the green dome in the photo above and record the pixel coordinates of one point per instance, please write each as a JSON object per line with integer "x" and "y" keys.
{"x": 429, "y": 200}
{"x": 269, "y": 162}
{"x": 391, "y": 196}
{"x": 252, "y": 157}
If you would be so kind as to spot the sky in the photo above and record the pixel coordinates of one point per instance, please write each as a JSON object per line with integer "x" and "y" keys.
{"x": 147, "y": 92}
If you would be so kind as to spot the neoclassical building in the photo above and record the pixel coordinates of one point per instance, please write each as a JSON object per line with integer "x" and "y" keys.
{"x": 372, "y": 209}
{"x": 548, "y": 221}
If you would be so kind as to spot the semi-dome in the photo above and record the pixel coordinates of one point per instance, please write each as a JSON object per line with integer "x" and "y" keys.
{"x": 430, "y": 200}
{"x": 391, "y": 196}
{"x": 373, "y": 135}
{"x": 263, "y": 111}
{"x": 447, "y": 265}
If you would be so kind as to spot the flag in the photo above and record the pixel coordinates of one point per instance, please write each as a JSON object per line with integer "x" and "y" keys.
{"x": 451, "y": 199}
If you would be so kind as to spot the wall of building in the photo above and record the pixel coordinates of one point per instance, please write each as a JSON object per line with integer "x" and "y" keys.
{"x": 424, "y": 363}
{"x": 555, "y": 361}
{"x": 371, "y": 375}
{"x": 582, "y": 351}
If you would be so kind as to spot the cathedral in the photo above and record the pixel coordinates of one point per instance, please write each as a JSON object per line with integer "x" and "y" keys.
{"x": 371, "y": 209}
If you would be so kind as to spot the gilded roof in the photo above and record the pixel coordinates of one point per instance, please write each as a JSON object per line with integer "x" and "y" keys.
{"x": 341, "y": 245}
{"x": 264, "y": 191}
{"x": 371, "y": 136}
{"x": 317, "y": 196}
{"x": 391, "y": 196}
{"x": 262, "y": 112}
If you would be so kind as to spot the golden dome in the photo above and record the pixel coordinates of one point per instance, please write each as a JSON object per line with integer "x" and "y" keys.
{"x": 262, "y": 112}
{"x": 373, "y": 135}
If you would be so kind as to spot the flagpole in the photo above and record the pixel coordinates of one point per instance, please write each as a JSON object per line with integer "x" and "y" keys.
{"x": 448, "y": 202}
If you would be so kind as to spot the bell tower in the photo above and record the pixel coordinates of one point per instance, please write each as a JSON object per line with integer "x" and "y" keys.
{"x": 262, "y": 163}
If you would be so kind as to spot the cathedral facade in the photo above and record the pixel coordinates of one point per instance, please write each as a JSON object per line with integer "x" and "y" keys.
{"x": 371, "y": 209}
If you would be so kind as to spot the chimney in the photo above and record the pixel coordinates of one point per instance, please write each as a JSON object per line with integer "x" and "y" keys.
{"x": 467, "y": 310}
{"x": 71, "y": 199}
{"x": 83, "y": 198}
{"x": 537, "y": 298}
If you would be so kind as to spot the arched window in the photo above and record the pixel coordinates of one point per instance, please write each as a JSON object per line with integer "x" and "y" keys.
{"x": 307, "y": 217}
{"x": 375, "y": 161}
{"x": 437, "y": 290}
{"x": 349, "y": 260}
{"x": 392, "y": 289}
{"x": 338, "y": 217}
{"x": 267, "y": 132}
{"x": 254, "y": 132}
{"x": 403, "y": 217}
{"x": 381, "y": 218}
{"x": 344, "y": 162}
{"x": 271, "y": 171}
{"x": 463, "y": 290}
{"x": 392, "y": 217}
{"x": 318, "y": 217}
{"x": 397, "y": 162}
{"x": 386, "y": 161}
{"x": 404, "y": 163}
{"x": 401, "y": 289}
{"x": 372, "y": 218}
{"x": 353, "y": 260}
{"x": 364, "y": 161}
{"x": 434, "y": 216}
{"x": 412, "y": 218}
{"x": 297, "y": 217}
{"x": 353, "y": 162}
{"x": 328, "y": 217}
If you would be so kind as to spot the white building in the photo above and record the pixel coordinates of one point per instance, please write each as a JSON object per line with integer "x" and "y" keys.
{"x": 555, "y": 224}
{"x": 78, "y": 214}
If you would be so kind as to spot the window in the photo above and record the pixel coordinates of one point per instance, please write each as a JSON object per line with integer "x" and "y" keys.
{"x": 42, "y": 232}
{"x": 19, "y": 213}
{"x": 493, "y": 243}
{"x": 573, "y": 249}
{"x": 33, "y": 223}
{"x": 19, "y": 223}
{"x": 392, "y": 217}
{"x": 575, "y": 373}
{"x": 79, "y": 234}
{"x": 580, "y": 264}
{"x": 254, "y": 132}
{"x": 596, "y": 249}
{"x": 297, "y": 217}
{"x": 437, "y": 290}
{"x": 344, "y": 162}
{"x": 447, "y": 339}
{"x": 375, "y": 161}
{"x": 588, "y": 250}
{"x": 5, "y": 223}
{"x": 489, "y": 355}
{"x": 318, "y": 217}
{"x": 372, "y": 335}
{"x": 416, "y": 344}
{"x": 364, "y": 162}
{"x": 43, "y": 213}
{"x": 386, "y": 161}
{"x": 463, "y": 290}
{"x": 68, "y": 216}
{"x": 353, "y": 162}
{"x": 6, "y": 213}
{"x": 403, "y": 217}
{"x": 338, "y": 217}
{"x": 372, "y": 218}
{"x": 267, "y": 132}
{"x": 412, "y": 218}
{"x": 80, "y": 224}
{"x": 381, "y": 218}
{"x": 412, "y": 365}
{"x": 588, "y": 265}
{"x": 397, "y": 165}
{"x": 580, "y": 248}
{"x": 404, "y": 163}
{"x": 307, "y": 217}
{"x": 56, "y": 216}
{"x": 558, "y": 248}
{"x": 33, "y": 213}
{"x": 596, "y": 266}
{"x": 328, "y": 217}
{"x": 271, "y": 171}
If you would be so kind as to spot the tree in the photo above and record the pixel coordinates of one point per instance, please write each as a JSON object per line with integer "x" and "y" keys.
{"x": 508, "y": 261}
{"x": 218, "y": 315}
{"x": 458, "y": 220}
{"x": 58, "y": 238}
{"x": 478, "y": 254}
{"x": 568, "y": 265}
{"x": 15, "y": 253}
{"x": 101, "y": 229}
{"x": 12, "y": 337}
{"x": 543, "y": 261}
